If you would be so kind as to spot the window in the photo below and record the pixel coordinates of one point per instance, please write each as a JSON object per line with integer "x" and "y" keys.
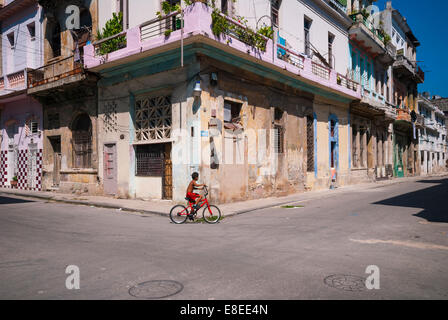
{"x": 307, "y": 28}
{"x": 34, "y": 127}
{"x": 31, "y": 127}
{"x": 354, "y": 148}
{"x": 225, "y": 6}
{"x": 32, "y": 30}
{"x": 232, "y": 111}
{"x": 11, "y": 39}
{"x": 82, "y": 141}
{"x": 278, "y": 139}
{"x": 149, "y": 160}
{"x": 55, "y": 39}
{"x": 275, "y": 7}
{"x": 153, "y": 118}
{"x": 310, "y": 143}
{"x": 332, "y": 128}
{"x": 278, "y": 131}
{"x": 330, "y": 49}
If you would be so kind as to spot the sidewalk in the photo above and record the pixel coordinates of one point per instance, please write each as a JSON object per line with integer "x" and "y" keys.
{"x": 163, "y": 207}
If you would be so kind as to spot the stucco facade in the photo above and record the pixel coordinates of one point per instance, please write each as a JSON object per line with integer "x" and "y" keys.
{"x": 21, "y": 121}
{"x": 69, "y": 99}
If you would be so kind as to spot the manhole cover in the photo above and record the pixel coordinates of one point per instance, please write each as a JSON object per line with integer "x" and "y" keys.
{"x": 346, "y": 282}
{"x": 156, "y": 289}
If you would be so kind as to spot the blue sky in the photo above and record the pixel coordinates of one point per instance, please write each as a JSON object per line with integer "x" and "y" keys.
{"x": 428, "y": 23}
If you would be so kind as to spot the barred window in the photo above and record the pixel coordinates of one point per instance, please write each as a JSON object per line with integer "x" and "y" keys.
{"x": 354, "y": 148}
{"x": 310, "y": 143}
{"x": 278, "y": 139}
{"x": 149, "y": 160}
{"x": 82, "y": 142}
{"x": 153, "y": 118}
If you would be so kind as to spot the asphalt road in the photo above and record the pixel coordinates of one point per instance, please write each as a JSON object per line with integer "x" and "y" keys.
{"x": 318, "y": 251}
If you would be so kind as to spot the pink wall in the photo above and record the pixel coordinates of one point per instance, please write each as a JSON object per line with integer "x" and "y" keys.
{"x": 198, "y": 22}
{"x": 18, "y": 111}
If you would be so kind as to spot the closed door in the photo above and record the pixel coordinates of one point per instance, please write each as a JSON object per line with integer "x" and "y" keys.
{"x": 57, "y": 156}
{"x": 57, "y": 169}
{"x": 167, "y": 185}
{"x": 110, "y": 169}
{"x": 32, "y": 168}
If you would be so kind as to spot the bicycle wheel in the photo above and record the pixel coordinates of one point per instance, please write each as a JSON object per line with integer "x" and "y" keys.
{"x": 213, "y": 215}
{"x": 178, "y": 214}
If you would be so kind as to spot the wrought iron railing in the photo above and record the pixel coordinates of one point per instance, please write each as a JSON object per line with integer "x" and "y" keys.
{"x": 110, "y": 44}
{"x": 320, "y": 70}
{"x": 161, "y": 26}
{"x": 343, "y": 81}
{"x": 288, "y": 55}
{"x": 54, "y": 71}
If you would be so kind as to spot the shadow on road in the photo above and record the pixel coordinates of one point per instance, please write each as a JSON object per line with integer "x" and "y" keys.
{"x": 433, "y": 200}
{"x": 8, "y": 200}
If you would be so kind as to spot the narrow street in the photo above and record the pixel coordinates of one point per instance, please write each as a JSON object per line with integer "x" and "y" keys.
{"x": 278, "y": 253}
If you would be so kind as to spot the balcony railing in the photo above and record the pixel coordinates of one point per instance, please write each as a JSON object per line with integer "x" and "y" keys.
{"x": 161, "y": 26}
{"x": 13, "y": 82}
{"x": 110, "y": 44}
{"x": 290, "y": 56}
{"x": 54, "y": 71}
{"x": 338, "y": 5}
{"x": 369, "y": 25}
{"x": 320, "y": 70}
{"x": 197, "y": 22}
{"x": 347, "y": 83}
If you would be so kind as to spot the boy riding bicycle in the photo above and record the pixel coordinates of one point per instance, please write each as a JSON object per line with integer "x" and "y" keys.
{"x": 192, "y": 186}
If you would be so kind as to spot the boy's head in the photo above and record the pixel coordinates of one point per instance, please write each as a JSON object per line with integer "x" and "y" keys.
{"x": 195, "y": 176}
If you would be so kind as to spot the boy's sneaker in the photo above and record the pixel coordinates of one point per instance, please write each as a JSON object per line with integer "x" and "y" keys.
{"x": 196, "y": 207}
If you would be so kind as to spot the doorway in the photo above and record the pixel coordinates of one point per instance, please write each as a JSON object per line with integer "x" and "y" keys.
{"x": 110, "y": 169}
{"x": 56, "y": 146}
{"x": 32, "y": 166}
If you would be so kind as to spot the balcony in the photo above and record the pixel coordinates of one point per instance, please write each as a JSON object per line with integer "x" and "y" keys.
{"x": 408, "y": 69}
{"x": 54, "y": 74}
{"x": 403, "y": 115}
{"x": 13, "y": 83}
{"x": 338, "y": 5}
{"x": 373, "y": 40}
{"x": 195, "y": 26}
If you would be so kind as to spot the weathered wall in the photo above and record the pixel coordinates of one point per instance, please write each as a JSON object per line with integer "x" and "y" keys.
{"x": 248, "y": 165}
{"x": 323, "y": 109}
{"x": 73, "y": 102}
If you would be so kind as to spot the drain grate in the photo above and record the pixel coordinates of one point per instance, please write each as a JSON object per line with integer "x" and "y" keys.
{"x": 156, "y": 289}
{"x": 346, "y": 282}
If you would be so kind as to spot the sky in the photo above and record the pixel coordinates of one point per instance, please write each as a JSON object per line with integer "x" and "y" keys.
{"x": 428, "y": 21}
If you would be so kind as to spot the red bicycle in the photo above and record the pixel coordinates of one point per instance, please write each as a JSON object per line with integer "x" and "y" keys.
{"x": 180, "y": 213}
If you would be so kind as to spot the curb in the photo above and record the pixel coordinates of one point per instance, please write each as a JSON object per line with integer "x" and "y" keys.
{"x": 319, "y": 195}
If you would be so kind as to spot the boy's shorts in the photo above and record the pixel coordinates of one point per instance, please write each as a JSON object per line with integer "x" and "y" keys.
{"x": 192, "y": 196}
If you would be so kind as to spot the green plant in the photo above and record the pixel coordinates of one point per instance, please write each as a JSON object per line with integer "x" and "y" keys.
{"x": 113, "y": 26}
{"x": 266, "y": 31}
{"x": 387, "y": 39}
{"x": 255, "y": 39}
{"x": 167, "y": 8}
{"x": 15, "y": 178}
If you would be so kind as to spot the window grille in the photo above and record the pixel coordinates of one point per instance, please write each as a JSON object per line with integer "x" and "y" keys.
{"x": 310, "y": 143}
{"x": 278, "y": 139}
{"x": 153, "y": 118}
{"x": 149, "y": 160}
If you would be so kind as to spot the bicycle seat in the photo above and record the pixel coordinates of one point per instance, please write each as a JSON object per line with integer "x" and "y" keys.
{"x": 189, "y": 199}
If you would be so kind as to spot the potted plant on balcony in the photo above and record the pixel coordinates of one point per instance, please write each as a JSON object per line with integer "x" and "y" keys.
{"x": 13, "y": 182}
{"x": 339, "y": 79}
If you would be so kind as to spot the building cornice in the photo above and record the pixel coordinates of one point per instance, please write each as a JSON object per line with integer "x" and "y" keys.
{"x": 15, "y": 7}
